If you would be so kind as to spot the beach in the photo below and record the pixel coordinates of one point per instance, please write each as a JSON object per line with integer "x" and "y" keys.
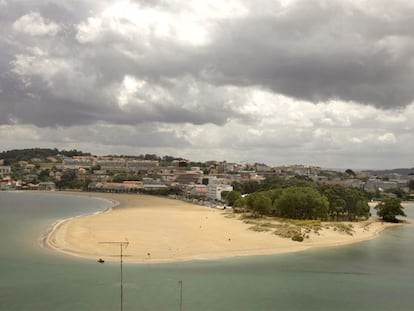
{"x": 167, "y": 230}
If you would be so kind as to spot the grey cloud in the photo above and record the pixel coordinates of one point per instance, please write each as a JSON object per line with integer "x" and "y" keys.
{"x": 143, "y": 136}
{"x": 317, "y": 54}
{"x": 35, "y": 25}
{"x": 101, "y": 138}
{"x": 315, "y": 50}
{"x": 282, "y": 138}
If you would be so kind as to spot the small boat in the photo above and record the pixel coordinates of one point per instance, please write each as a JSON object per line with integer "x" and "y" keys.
{"x": 100, "y": 260}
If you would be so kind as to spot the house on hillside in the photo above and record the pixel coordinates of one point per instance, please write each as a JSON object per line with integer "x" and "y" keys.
{"x": 5, "y": 170}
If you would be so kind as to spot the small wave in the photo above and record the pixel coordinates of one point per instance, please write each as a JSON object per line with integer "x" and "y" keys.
{"x": 44, "y": 239}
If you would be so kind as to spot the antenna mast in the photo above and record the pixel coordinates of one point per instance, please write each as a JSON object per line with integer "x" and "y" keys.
{"x": 121, "y": 246}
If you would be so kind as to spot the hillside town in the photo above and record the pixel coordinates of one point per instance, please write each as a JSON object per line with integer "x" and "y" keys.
{"x": 196, "y": 181}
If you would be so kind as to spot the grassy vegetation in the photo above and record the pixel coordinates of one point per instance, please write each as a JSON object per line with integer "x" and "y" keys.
{"x": 259, "y": 228}
{"x": 300, "y": 222}
{"x": 295, "y": 229}
{"x": 288, "y": 231}
{"x": 345, "y": 228}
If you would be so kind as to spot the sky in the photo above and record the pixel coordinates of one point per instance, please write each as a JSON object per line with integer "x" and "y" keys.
{"x": 314, "y": 82}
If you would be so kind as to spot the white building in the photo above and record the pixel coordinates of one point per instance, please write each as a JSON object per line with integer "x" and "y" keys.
{"x": 141, "y": 164}
{"x": 214, "y": 189}
{"x": 76, "y": 163}
{"x": 47, "y": 186}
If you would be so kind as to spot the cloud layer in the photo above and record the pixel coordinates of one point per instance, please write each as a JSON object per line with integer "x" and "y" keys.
{"x": 315, "y": 82}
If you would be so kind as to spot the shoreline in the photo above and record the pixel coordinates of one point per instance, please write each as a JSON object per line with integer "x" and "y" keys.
{"x": 45, "y": 239}
{"x": 164, "y": 230}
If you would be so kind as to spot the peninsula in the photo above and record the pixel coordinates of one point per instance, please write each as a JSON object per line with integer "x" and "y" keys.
{"x": 167, "y": 230}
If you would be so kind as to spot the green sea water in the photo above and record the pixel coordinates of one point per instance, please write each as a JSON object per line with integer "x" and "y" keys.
{"x": 372, "y": 275}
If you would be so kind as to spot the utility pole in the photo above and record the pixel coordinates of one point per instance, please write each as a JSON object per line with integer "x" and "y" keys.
{"x": 181, "y": 294}
{"x": 121, "y": 246}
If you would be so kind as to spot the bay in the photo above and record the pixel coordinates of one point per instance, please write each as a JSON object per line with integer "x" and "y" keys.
{"x": 372, "y": 275}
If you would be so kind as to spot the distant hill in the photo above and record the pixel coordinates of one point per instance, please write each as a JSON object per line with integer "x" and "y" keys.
{"x": 12, "y": 156}
{"x": 400, "y": 171}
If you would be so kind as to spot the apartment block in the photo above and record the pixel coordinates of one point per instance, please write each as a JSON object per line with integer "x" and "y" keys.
{"x": 5, "y": 170}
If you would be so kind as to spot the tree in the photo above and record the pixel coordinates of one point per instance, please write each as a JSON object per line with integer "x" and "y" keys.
{"x": 389, "y": 209}
{"x": 44, "y": 175}
{"x": 302, "y": 203}
{"x": 86, "y": 184}
{"x": 251, "y": 186}
{"x": 345, "y": 203}
{"x": 231, "y": 197}
{"x": 259, "y": 203}
{"x": 68, "y": 180}
{"x": 350, "y": 172}
{"x": 237, "y": 186}
{"x": 152, "y": 157}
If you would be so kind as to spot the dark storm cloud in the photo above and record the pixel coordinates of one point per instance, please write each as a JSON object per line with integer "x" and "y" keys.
{"x": 319, "y": 53}
{"x": 65, "y": 82}
{"x": 312, "y": 50}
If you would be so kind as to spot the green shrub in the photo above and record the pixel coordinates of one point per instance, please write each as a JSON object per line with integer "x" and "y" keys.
{"x": 297, "y": 238}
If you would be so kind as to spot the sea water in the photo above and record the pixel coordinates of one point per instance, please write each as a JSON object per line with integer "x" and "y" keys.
{"x": 371, "y": 275}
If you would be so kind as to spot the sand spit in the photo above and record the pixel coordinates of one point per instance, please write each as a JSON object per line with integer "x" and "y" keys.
{"x": 166, "y": 230}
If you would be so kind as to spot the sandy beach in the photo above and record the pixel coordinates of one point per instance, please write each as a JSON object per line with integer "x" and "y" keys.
{"x": 167, "y": 230}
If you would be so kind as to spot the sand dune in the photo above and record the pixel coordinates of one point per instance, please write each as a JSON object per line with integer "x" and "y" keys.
{"x": 167, "y": 230}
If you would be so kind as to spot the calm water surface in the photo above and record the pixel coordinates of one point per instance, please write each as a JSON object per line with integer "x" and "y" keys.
{"x": 372, "y": 275}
